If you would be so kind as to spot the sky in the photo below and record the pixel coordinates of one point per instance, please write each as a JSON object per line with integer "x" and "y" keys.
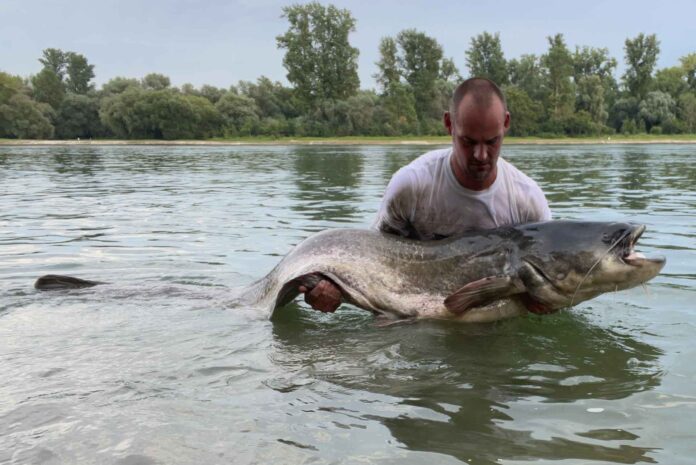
{"x": 221, "y": 42}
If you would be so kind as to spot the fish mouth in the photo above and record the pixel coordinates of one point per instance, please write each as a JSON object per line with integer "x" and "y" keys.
{"x": 627, "y": 252}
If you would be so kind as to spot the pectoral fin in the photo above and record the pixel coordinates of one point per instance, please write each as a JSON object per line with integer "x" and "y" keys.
{"x": 482, "y": 292}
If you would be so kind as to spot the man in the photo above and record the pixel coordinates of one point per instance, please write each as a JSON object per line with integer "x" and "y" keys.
{"x": 450, "y": 191}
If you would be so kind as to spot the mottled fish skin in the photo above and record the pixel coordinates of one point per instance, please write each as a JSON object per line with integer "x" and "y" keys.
{"x": 401, "y": 278}
{"x": 478, "y": 277}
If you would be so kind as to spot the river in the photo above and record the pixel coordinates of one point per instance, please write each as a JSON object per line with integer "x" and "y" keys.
{"x": 158, "y": 369}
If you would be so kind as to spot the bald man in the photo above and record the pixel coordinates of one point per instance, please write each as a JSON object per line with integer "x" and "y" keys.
{"x": 450, "y": 191}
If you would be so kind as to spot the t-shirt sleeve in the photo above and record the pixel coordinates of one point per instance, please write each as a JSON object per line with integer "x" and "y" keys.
{"x": 398, "y": 204}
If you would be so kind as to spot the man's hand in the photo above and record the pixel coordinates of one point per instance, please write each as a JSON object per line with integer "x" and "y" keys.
{"x": 325, "y": 296}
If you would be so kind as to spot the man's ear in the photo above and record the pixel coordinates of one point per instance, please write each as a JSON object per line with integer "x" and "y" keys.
{"x": 507, "y": 121}
{"x": 447, "y": 120}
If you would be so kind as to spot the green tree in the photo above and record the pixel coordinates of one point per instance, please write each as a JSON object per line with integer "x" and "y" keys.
{"x": 9, "y": 86}
{"x": 688, "y": 63}
{"x": 48, "y": 88}
{"x": 79, "y": 72}
{"x": 54, "y": 60}
{"x": 449, "y": 71}
{"x": 155, "y": 81}
{"x": 419, "y": 62}
{"x": 119, "y": 85}
{"x": 587, "y": 62}
{"x": 625, "y": 110}
{"x": 590, "y": 98}
{"x": 485, "y": 58}
{"x": 160, "y": 114}
{"x": 590, "y": 61}
{"x": 240, "y": 112}
{"x": 319, "y": 59}
{"x": 558, "y": 65}
{"x": 657, "y": 108}
{"x": 388, "y": 74}
{"x": 527, "y": 74}
{"x": 396, "y": 111}
{"x": 671, "y": 80}
{"x": 525, "y": 113}
{"x": 361, "y": 112}
{"x": 687, "y": 111}
{"x": 272, "y": 98}
{"x": 23, "y": 118}
{"x": 641, "y": 56}
{"x": 78, "y": 116}
{"x": 212, "y": 93}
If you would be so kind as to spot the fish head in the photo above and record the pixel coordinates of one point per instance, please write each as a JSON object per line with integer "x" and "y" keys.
{"x": 567, "y": 262}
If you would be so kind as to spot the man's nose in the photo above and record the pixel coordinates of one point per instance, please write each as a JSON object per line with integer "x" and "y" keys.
{"x": 481, "y": 153}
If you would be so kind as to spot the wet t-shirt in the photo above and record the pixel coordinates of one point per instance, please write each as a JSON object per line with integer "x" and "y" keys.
{"x": 425, "y": 201}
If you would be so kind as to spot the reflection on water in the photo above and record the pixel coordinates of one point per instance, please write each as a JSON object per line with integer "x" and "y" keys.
{"x": 327, "y": 184}
{"x": 157, "y": 369}
{"x": 461, "y": 381}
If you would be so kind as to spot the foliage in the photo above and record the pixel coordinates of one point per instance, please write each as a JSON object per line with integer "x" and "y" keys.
{"x": 527, "y": 74}
{"x": 48, "y": 88}
{"x": 54, "y": 60}
{"x": 671, "y": 81}
{"x": 688, "y": 64}
{"x": 485, "y": 58}
{"x": 525, "y": 113}
{"x": 389, "y": 74}
{"x": 449, "y": 71}
{"x": 558, "y": 93}
{"x": 9, "y": 86}
{"x": 80, "y": 73}
{"x": 590, "y": 98}
{"x": 159, "y": 114}
{"x": 155, "y": 81}
{"x": 78, "y": 116}
{"x": 656, "y": 108}
{"x": 119, "y": 85}
{"x": 320, "y": 61}
{"x": 687, "y": 112}
{"x": 240, "y": 112}
{"x": 396, "y": 113}
{"x": 558, "y": 67}
{"x": 641, "y": 56}
{"x": 23, "y": 118}
{"x": 590, "y": 61}
{"x": 419, "y": 64}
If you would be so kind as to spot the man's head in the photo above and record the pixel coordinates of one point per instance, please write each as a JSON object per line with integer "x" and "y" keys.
{"x": 477, "y": 121}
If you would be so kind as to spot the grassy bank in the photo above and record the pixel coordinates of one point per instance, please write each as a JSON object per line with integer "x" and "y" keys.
{"x": 369, "y": 140}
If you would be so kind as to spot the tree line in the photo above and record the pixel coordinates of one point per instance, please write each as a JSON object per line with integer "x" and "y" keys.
{"x": 561, "y": 92}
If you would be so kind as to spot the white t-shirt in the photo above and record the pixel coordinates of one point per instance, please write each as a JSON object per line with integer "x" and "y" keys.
{"x": 425, "y": 201}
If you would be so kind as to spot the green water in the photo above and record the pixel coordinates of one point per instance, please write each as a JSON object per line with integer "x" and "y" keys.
{"x": 159, "y": 369}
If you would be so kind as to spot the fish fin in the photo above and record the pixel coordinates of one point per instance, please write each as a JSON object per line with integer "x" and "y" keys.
{"x": 51, "y": 282}
{"x": 483, "y": 291}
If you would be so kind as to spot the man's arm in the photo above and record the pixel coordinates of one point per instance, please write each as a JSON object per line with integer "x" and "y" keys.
{"x": 397, "y": 207}
{"x": 392, "y": 218}
{"x": 325, "y": 296}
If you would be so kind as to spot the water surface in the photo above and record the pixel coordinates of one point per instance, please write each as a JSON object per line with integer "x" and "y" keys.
{"x": 159, "y": 369}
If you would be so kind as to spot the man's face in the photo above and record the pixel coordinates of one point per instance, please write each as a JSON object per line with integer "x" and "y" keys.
{"x": 477, "y": 135}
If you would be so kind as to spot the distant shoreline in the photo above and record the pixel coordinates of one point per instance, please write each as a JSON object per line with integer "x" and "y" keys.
{"x": 612, "y": 140}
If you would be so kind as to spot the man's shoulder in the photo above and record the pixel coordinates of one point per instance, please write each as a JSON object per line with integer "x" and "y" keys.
{"x": 429, "y": 161}
{"x": 515, "y": 175}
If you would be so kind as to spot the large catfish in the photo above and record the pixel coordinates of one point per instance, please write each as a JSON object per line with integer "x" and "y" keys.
{"x": 477, "y": 277}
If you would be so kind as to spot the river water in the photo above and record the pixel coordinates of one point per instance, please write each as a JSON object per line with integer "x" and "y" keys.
{"x": 158, "y": 369}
